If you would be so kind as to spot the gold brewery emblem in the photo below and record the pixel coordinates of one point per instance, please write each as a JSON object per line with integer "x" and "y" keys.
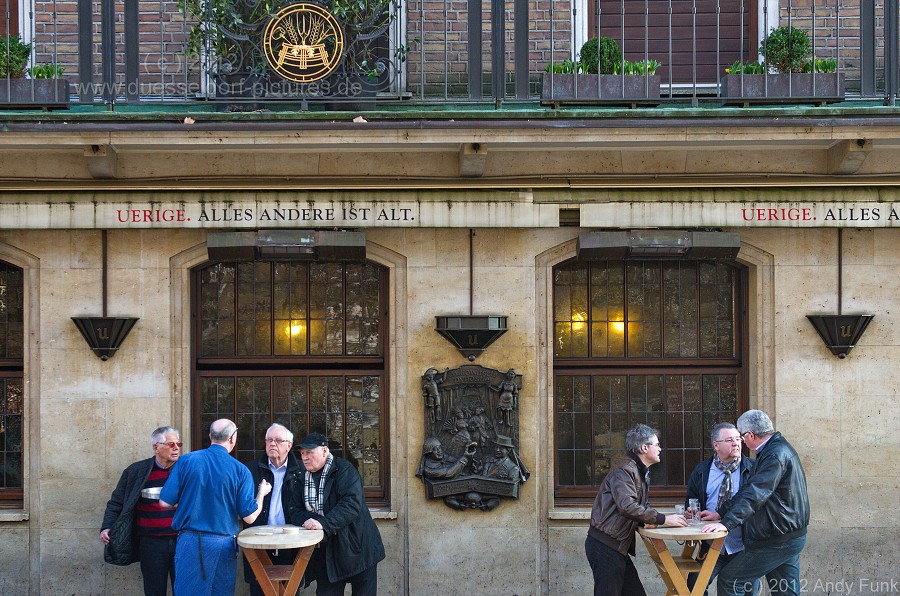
{"x": 303, "y": 42}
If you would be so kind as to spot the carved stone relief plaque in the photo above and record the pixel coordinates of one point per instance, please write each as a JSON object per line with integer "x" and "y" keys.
{"x": 470, "y": 457}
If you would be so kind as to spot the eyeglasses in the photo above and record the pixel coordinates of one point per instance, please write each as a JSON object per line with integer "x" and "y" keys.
{"x": 172, "y": 444}
{"x": 745, "y": 433}
{"x": 278, "y": 442}
{"x": 652, "y": 444}
{"x": 234, "y": 433}
{"x": 730, "y": 440}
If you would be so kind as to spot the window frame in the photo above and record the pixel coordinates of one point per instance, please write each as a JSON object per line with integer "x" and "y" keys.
{"x": 272, "y": 366}
{"x": 14, "y": 368}
{"x": 583, "y": 495}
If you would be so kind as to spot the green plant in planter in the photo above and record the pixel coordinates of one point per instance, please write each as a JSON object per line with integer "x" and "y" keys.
{"x": 564, "y": 67}
{"x": 825, "y": 65}
{"x": 746, "y": 68}
{"x": 14, "y": 54}
{"x": 600, "y": 55}
{"x": 50, "y": 70}
{"x": 641, "y": 67}
{"x": 786, "y": 49}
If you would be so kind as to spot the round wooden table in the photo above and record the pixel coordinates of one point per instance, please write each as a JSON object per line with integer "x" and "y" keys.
{"x": 674, "y": 569}
{"x": 277, "y": 580}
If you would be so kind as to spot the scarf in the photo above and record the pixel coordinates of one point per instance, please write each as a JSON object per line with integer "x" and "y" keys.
{"x": 313, "y": 496}
{"x": 725, "y": 490}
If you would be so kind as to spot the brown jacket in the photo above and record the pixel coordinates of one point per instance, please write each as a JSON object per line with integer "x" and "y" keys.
{"x": 621, "y": 506}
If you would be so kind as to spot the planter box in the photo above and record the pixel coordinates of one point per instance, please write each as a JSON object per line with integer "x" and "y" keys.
{"x": 586, "y": 89}
{"x": 782, "y": 88}
{"x": 34, "y": 93}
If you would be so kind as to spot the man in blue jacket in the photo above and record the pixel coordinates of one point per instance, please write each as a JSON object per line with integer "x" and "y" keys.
{"x": 331, "y": 499}
{"x": 713, "y": 482}
{"x": 212, "y": 490}
{"x": 772, "y": 510}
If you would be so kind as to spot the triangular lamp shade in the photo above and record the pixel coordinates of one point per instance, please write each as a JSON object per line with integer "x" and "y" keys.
{"x": 104, "y": 334}
{"x": 840, "y": 332}
{"x": 471, "y": 334}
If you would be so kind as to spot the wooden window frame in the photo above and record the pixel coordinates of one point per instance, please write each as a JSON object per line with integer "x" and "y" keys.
{"x": 297, "y": 365}
{"x": 579, "y": 496}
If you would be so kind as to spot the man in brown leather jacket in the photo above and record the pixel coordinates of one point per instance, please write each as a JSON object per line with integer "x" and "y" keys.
{"x": 620, "y": 507}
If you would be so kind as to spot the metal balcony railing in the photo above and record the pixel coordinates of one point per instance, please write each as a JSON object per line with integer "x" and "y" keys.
{"x": 444, "y": 51}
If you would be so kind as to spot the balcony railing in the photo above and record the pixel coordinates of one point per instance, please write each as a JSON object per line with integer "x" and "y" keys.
{"x": 434, "y": 51}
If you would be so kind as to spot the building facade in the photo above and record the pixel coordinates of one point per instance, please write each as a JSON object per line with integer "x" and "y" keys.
{"x": 284, "y": 258}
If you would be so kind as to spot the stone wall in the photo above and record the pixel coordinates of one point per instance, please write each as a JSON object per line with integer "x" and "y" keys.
{"x": 89, "y": 419}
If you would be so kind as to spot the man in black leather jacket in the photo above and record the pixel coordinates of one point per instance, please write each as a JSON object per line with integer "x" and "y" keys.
{"x": 283, "y": 470}
{"x": 772, "y": 509}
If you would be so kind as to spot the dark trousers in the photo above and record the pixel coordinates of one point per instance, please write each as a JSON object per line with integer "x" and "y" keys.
{"x": 362, "y": 584}
{"x": 780, "y": 563}
{"x": 614, "y": 573}
{"x": 285, "y": 556}
{"x": 157, "y": 564}
{"x": 723, "y": 560}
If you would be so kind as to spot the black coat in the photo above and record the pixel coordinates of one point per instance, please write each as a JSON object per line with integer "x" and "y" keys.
{"x": 119, "y": 515}
{"x": 352, "y": 541}
{"x": 700, "y": 476}
{"x": 259, "y": 469}
{"x": 772, "y": 506}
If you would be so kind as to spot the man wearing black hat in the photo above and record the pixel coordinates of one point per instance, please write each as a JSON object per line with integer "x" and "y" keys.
{"x": 332, "y": 501}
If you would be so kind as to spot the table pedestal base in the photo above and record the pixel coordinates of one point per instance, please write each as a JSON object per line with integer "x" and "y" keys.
{"x": 674, "y": 570}
{"x": 278, "y": 580}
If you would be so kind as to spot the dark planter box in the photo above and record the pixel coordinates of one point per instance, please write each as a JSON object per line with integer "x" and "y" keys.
{"x": 34, "y": 93}
{"x": 782, "y": 88}
{"x": 584, "y": 89}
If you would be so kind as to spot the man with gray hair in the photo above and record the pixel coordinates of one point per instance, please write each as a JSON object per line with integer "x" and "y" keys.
{"x": 772, "y": 510}
{"x": 135, "y": 527}
{"x": 620, "y": 507}
{"x": 212, "y": 490}
{"x": 713, "y": 482}
{"x": 279, "y": 467}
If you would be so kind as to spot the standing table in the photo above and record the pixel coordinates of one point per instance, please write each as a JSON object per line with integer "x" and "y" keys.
{"x": 674, "y": 569}
{"x": 277, "y": 580}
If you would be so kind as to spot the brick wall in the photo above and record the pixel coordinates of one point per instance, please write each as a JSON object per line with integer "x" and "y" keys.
{"x": 437, "y": 41}
{"x": 162, "y": 32}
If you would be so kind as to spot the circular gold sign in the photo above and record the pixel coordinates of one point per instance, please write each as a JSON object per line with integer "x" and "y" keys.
{"x": 303, "y": 42}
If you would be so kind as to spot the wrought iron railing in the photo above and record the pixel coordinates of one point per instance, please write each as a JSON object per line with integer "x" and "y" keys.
{"x": 437, "y": 51}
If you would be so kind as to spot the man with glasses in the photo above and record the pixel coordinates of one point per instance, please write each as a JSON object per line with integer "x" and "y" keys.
{"x": 331, "y": 499}
{"x": 135, "y": 527}
{"x": 280, "y": 468}
{"x": 713, "y": 482}
{"x": 212, "y": 491}
{"x": 772, "y": 510}
{"x": 620, "y": 507}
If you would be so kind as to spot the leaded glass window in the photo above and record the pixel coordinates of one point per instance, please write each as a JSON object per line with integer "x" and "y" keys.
{"x": 11, "y": 383}
{"x": 653, "y": 342}
{"x": 299, "y": 343}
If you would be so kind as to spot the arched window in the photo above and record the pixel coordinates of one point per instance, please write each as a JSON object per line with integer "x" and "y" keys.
{"x": 11, "y": 375}
{"x": 658, "y": 342}
{"x": 299, "y": 343}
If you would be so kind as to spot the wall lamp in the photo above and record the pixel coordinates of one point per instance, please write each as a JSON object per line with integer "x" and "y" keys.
{"x": 287, "y": 245}
{"x": 104, "y": 334}
{"x": 471, "y": 334}
{"x": 658, "y": 244}
{"x": 840, "y": 332}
